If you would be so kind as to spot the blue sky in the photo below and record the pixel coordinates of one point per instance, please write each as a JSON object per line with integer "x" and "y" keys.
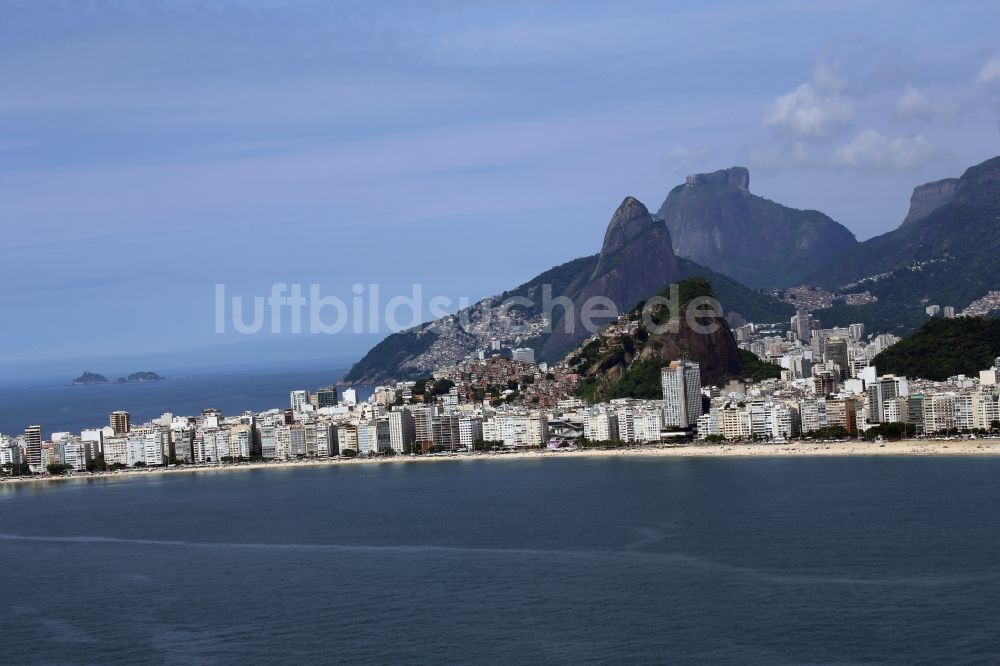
{"x": 151, "y": 150}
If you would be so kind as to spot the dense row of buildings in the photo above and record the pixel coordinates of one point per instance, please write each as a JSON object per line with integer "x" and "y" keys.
{"x": 827, "y": 384}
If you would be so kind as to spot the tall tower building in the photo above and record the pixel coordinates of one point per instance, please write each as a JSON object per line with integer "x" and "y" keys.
{"x": 802, "y": 325}
{"x": 120, "y": 422}
{"x": 326, "y": 397}
{"x": 681, "y": 382}
{"x": 298, "y": 401}
{"x": 33, "y": 447}
{"x": 835, "y": 350}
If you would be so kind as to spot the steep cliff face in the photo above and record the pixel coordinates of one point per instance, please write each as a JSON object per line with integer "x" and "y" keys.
{"x": 714, "y": 220}
{"x": 636, "y": 260}
{"x": 928, "y": 197}
{"x": 946, "y": 257}
{"x": 625, "y": 362}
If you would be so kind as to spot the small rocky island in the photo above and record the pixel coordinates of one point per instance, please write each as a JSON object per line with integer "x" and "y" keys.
{"x": 88, "y": 378}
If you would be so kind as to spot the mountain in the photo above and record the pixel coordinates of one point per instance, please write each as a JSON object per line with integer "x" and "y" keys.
{"x": 944, "y": 253}
{"x": 90, "y": 378}
{"x": 928, "y": 197}
{"x": 625, "y": 361}
{"x": 943, "y": 348}
{"x": 636, "y": 261}
{"x": 715, "y": 221}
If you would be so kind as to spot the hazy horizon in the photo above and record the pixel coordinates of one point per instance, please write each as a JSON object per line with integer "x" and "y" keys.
{"x": 152, "y": 151}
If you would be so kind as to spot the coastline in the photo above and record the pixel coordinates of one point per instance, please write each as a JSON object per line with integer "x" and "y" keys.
{"x": 975, "y": 447}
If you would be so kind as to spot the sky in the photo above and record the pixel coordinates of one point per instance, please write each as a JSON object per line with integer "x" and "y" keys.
{"x": 150, "y": 151}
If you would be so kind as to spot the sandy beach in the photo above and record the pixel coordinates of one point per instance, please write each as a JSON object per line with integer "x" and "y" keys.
{"x": 915, "y": 447}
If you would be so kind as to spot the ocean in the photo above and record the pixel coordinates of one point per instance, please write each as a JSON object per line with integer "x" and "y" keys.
{"x": 61, "y": 407}
{"x": 562, "y": 561}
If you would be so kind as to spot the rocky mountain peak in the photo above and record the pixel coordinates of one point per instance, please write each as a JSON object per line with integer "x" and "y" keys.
{"x": 928, "y": 197}
{"x": 734, "y": 176}
{"x": 631, "y": 219}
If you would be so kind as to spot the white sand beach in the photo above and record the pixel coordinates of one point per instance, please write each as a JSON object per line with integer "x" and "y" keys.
{"x": 915, "y": 447}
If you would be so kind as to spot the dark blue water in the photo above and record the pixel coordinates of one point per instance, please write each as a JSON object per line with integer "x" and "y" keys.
{"x": 58, "y": 406}
{"x": 550, "y": 561}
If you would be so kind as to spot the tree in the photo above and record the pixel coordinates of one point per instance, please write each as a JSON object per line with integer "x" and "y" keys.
{"x": 139, "y": 464}
{"x": 97, "y": 464}
{"x": 17, "y": 469}
{"x": 442, "y": 386}
{"x": 995, "y": 425}
{"x": 57, "y": 468}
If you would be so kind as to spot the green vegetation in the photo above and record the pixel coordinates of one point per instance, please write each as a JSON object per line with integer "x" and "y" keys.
{"x": 57, "y": 468}
{"x": 641, "y": 380}
{"x": 18, "y": 469}
{"x": 388, "y": 355}
{"x": 757, "y": 370}
{"x": 942, "y": 348}
{"x": 736, "y": 298}
{"x": 442, "y": 386}
{"x": 891, "y": 431}
{"x": 637, "y": 359}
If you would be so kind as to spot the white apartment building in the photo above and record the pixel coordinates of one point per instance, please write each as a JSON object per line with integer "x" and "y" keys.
{"x": 600, "y": 425}
{"x": 470, "y": 431}
{"x": 681, "y": 384}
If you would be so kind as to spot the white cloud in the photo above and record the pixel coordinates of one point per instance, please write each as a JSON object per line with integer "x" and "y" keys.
{"x": 990, "y": 71}
{"x": 873, "y": 150}
{"x": 813, "y": 110}
{"x": 916, "y": 104}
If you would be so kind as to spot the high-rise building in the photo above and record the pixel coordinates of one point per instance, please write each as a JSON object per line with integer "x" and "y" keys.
{"x": 802, "y": 325}
{"x": 298, "y": 400}
{"x": 267, "y": 442}
{"x": 422, "y": 425}
{"x": 402, "y": 431}
{"x": 181, "y": 439}
{"x": 33, "y": 447}
{"x": 120, "y": 422}
{"x": 470, "y": 431}
{"x": 812, "y": 415}
{"x": 843, "y": 413}
{"x": 835, "y": 351}
{"x": 600, "y": 425}
{"x": 882, "y": 391}
{"x": 445, "y": 431}
{"x": 681, "y": 383}
{"x": 326, "y": 397}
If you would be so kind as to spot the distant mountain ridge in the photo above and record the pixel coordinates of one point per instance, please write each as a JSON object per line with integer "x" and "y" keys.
{"x": 715, "y": 221}
{"x": 88, "y": 378}
{"x": 635, "y": 262}
{"x": 944, "y": 253}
